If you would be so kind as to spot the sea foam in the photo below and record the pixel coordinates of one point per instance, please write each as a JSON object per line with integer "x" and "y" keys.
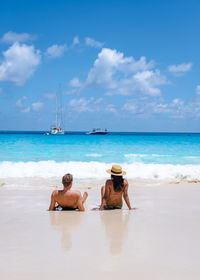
{"x": 97, "y": 170}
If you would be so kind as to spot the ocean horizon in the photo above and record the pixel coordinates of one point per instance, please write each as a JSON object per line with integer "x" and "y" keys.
{"x": 85, "y": 131}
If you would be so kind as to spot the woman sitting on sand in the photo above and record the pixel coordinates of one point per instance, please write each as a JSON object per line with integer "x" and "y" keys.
{"x": 111, "y": 194}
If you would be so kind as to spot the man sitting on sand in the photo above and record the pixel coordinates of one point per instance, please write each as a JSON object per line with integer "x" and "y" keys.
{"x": 67, "y": 199}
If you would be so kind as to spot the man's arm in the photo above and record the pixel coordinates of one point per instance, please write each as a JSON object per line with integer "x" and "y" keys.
{"x": 53, "y": 202}
{"x": 80, "y": 204}
{"x": 125, "y": 195}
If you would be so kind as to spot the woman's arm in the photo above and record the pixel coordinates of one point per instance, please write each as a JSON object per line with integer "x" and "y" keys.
{"x": 125, "y": 195}
{"x": 105, "y": 195}
{"x": 103, "y": 203}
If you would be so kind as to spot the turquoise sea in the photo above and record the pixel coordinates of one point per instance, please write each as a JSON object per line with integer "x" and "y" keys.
{"x": 145, "y": 155}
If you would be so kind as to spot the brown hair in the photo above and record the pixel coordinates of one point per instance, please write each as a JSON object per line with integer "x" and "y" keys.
{"x": 67, "y": 179}
{"x": 118, "y": 183}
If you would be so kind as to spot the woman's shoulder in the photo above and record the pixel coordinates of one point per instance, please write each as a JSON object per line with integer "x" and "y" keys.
{"x": 109, "y": 182}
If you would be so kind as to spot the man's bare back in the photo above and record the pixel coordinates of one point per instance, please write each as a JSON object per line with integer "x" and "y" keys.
{"x": 66, "y": 198}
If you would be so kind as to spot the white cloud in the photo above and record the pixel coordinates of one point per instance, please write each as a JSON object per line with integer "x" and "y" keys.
{"x": 180, "y": 69}
{"x": 75, "y": 41}
{"x": 160, "y": 108}
{"x": 80, "y": 105}
{"x": 147, "y": 107}
{"x": 104, "y": 68}
{"x": 198, "y": 90}
{"x": 85, "y": 105}
{"x": 179, "y": 109}
{"x": 147, "y": 82}
{"x": 109, "y": 63}
{"x": 19, "y": 63}
{"x": 12, "y": 37}
{"x": 75, "y": 83}
{"x": 176, "y": 108}
{"x": 37, "y": 106}
{"x": 99, "y": 100}
{"x": 56, "y": 50}
{"x": 26, "y": 110}
{"x": 72, "y": 92}
{"x": 93, "y": 43}
{"x": 110, "y": 108}
{"x": 50, "y": 95}
{"x": 130, "y": 107}
{"x": 19, "y": 102}
{"x": 177, "y": 102}
{"x": 123, "y": 75}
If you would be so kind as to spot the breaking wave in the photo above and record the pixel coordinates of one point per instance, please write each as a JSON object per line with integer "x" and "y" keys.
{"x": 97, "y": 170}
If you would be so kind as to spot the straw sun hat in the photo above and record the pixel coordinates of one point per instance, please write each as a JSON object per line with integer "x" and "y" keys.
{"x": 116, "y": 170}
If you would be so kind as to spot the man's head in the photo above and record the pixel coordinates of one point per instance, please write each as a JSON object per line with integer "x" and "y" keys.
{"x": 67, "y": 180}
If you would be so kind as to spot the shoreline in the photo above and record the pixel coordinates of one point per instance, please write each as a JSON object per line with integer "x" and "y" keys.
{"x": 86, "y": 183}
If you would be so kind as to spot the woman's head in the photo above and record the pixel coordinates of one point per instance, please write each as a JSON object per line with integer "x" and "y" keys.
{"x": 117, "y": 177}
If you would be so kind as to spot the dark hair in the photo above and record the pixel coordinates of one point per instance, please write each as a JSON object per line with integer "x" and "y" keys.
{"x": 118, "y": 183}
{"x": 67, "y": 179}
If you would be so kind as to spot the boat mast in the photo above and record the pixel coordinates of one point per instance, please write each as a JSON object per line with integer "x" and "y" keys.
{"x": 56, "y": 109}
{"x": 60, "y": 107}
{"x": 59, "y": 120}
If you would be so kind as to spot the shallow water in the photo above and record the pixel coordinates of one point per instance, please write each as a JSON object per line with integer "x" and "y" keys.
{"x": 143, "y": 155}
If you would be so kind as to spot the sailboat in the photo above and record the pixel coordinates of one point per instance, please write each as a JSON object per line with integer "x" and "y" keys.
{"x": 57, "y": 129}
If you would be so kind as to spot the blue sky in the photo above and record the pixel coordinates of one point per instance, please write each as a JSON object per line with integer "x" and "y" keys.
{"x": 122, "y": 65}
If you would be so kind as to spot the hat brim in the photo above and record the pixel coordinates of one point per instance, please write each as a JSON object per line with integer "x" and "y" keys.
{"x": 120, "y": 174}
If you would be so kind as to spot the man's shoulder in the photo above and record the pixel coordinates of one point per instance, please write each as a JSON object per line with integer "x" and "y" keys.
{"x": 75, "y": 193}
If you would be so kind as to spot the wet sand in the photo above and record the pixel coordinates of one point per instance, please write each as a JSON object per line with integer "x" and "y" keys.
{"x": 159, "y": 240}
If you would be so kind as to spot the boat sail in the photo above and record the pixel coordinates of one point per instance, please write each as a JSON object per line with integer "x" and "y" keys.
{"x": 57, "y": 128}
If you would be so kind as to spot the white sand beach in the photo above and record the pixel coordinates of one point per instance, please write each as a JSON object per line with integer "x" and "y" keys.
{"x": 159, "y": 240}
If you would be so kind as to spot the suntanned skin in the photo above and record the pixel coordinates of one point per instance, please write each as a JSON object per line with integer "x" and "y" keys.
{"x": 68, "y": 198}
{"x": 116, "y": 199}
